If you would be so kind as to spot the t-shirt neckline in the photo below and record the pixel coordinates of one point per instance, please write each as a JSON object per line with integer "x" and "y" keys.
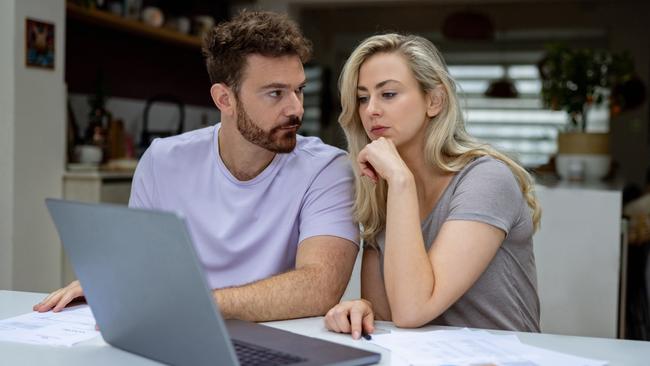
{"x": 267, "y": 172}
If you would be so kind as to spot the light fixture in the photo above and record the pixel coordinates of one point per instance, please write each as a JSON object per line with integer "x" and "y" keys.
{"x": 502, "y": 88}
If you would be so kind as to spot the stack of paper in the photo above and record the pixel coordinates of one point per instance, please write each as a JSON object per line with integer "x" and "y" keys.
{"x": 70, "y": 326}
{"x": 468, "y": 347}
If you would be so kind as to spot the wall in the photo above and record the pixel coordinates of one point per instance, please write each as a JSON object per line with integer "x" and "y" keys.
{"x": 35, "y": 162}
{"x": 6, "y": 142}
{"x": 631, "y": 130}
{"x": 32, "y": 146}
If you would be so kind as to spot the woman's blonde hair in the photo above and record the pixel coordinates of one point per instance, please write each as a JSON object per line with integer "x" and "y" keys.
{"x": 448, "y": 146}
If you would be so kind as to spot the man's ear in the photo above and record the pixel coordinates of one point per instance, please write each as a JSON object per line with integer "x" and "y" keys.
{"x": 436, "y": 99}
{"x": 223, "y": 97}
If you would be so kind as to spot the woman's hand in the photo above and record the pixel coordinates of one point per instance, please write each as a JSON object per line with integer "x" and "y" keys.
{"x": 58, "y": 299}
{"x": 380, "y": 159}
{"x": 351, "y": 317}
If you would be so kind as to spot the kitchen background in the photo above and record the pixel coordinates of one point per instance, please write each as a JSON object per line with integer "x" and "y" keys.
{"x": 112, "y": 59}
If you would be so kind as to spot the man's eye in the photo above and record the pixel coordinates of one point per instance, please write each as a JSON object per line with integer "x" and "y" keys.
{"x": 362, "y": 99}
{"x": 275, "y": 93}
{"x": 300, "y": 90}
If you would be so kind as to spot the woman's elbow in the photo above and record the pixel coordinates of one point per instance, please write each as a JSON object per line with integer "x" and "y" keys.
{"x": 408, "y": 319}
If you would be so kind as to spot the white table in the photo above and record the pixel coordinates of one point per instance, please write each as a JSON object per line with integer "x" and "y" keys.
{"x": 97, "y": 352}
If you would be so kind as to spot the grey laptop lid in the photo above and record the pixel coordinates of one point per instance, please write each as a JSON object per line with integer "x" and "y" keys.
{"x": 145, "y": 286}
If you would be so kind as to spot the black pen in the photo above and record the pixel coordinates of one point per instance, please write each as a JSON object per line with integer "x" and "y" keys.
{"x": 366, "y": 336}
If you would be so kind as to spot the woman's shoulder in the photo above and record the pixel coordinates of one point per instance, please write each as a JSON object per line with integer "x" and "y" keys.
{"x": 487, "y": 169}
{"x": 486, "y": 190}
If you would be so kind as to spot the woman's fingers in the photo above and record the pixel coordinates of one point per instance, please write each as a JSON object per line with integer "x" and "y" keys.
{"x": 368, "y": 322}
{"x": 368, "y": 171}
{"x": 330, "y": 321}
{"x": 356, "y": 315}
{"x": 361, "y": 318}
{"x": 366, "y": 167}
{"x": 341, "y": 318}
{"x": 330, "y": 324}
{"x": 351, "y": 317}
{"x": 378, "y": 159}
{"x": 336, "y": 319}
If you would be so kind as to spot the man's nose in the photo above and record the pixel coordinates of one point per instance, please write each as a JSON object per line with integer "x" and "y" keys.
{"x": 295, "y": 107}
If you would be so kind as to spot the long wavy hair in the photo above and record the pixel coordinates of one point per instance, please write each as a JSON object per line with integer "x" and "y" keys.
{"x": 448, "y": 145}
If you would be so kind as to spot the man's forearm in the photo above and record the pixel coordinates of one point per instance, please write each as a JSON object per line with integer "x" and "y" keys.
{"x": 307, "y": 291}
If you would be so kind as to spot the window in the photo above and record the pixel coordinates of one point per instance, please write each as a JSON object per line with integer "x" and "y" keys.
{"x": 520, "y": 127}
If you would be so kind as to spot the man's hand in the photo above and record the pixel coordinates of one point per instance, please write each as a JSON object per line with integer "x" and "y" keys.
{"x": 60, "y": 298}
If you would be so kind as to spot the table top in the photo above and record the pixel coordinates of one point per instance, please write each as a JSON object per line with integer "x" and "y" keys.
{"x": 618, "y": 352}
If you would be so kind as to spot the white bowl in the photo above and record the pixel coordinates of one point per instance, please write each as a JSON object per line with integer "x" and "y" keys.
{"x": 582, "y": 166}
{"x": 89, "y": 154}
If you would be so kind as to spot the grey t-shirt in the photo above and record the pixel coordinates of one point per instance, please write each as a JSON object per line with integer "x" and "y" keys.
{"x": 505, "y": 295}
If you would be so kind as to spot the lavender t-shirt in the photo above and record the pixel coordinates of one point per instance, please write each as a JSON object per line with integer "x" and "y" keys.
{"x": 244, "y": 231}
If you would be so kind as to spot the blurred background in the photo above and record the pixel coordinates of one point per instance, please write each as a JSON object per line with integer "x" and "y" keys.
{"x": 561, "y": 86}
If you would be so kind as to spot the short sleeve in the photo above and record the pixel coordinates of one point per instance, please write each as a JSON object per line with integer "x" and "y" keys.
{"x": 143, "y": 185}
{"x": 327, "y": 206}
{"x": 487, "y": 192}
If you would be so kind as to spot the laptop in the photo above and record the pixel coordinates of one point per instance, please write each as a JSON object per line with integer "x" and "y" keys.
{"x": 146, "y": 288}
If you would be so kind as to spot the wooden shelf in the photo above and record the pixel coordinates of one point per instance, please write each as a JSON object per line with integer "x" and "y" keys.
{"x": 105, "y": 19}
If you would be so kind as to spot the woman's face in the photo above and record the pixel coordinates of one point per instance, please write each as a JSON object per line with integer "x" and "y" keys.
{"x": 391, "y": 103}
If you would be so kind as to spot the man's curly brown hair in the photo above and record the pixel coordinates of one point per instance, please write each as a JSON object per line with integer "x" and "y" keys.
{"x": 228, "y": 44}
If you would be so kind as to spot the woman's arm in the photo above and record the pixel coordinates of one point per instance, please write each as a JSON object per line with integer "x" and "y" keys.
{"x": 372, "y": 285}
{"x": 419, "y": 285}
{"x": 358, "y": 315}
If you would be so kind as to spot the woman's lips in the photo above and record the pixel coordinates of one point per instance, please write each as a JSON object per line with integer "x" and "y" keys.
{"x": 378, "y": 130}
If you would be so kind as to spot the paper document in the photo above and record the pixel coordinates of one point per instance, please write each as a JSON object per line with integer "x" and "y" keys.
{"x": 70, "y": 326}
{"x": 468, "y": 347}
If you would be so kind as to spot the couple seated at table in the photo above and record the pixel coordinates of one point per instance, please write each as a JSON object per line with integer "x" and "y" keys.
{"x": 446, "y": 221}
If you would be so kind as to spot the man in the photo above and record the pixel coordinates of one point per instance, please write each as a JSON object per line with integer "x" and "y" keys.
{"x": 269, "y": 211}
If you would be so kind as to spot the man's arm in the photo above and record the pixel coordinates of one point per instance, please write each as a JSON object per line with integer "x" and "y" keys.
{"x": 323, "y": 268}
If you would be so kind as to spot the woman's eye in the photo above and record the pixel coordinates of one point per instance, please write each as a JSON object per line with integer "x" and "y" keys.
{"x": 362, "y": 99}
{"x": 388, "y": 95}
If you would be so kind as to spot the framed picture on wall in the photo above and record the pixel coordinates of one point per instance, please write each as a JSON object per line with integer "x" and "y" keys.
{"x": 39, "y": 44}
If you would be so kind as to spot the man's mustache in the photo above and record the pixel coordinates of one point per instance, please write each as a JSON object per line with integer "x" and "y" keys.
{"x": 292, "y": 121}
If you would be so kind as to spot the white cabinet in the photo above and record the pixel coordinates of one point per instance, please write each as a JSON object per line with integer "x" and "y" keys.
{"x": 98, "y": 186}
{"x": 94, "y": 186}
{"x": 578, "y": 253}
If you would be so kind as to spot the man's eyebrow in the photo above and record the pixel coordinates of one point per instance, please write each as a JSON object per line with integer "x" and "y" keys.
{"x": 281, "y": 85}
{"x": 379, "y": 84}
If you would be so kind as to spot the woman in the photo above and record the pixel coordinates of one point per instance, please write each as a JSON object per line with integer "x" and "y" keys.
{"x": 447, "y": 221}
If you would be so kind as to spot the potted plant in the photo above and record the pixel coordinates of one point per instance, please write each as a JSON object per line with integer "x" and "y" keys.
{"x": 574, "y": 80}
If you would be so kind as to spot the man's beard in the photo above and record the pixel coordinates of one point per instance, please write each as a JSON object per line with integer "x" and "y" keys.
{"x": 277, "y": 140}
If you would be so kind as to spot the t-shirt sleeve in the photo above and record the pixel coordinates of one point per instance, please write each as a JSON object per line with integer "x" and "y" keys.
{"x": 327, "y": 206}
{"x": 143, "y": 185}
{"x": 488, "y": 192}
